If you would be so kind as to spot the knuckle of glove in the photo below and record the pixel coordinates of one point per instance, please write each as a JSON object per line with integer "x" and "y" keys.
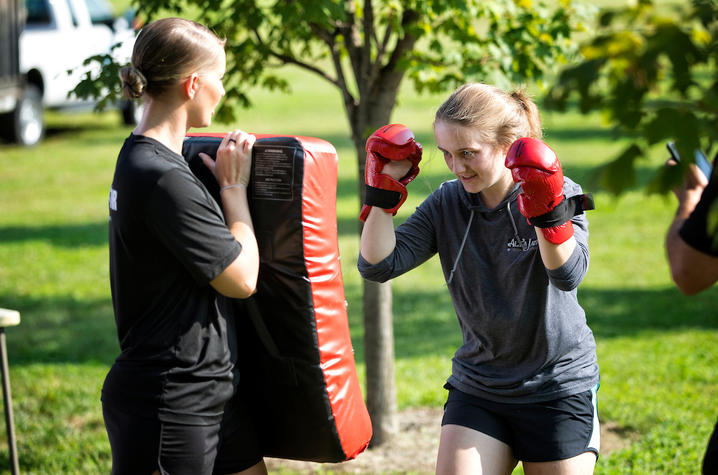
{"x": 532, "y": 153}
{"x": 395, "y": 134}
{"x": 390, "y": 150}
{"x": 394, "y": 141}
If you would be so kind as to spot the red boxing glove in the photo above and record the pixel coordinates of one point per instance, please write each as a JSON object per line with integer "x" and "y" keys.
{"x": 536, "y": 168}
{"x": 390, "y": 142}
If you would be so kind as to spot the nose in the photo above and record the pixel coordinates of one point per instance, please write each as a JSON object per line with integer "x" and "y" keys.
{"x": 456, "y": 166}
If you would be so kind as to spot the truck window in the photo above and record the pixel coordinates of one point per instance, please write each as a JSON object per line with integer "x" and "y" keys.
{"x": 38, "y": 12}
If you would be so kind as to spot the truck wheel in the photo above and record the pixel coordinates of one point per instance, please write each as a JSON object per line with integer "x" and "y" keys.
{"x": 25, "y": 125}
{"x": 131, "y": 112}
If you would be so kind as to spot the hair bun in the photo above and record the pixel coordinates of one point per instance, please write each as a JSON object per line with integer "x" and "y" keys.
{"x": 133, "y": 82}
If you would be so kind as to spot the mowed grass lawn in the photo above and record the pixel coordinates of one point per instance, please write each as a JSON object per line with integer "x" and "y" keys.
{"x": 657, "y": 349}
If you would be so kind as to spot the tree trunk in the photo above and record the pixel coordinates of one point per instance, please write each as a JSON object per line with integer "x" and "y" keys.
{"x": 378, "y": 345}
{"x": 379, "y": 359}
{"x": 368, "y": 115}
{"x": 378, "y": 319}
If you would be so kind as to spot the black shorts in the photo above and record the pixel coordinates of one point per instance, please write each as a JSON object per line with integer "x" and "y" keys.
{"x": 536, "y": 432}
{"x": 239, "y": 446}
{"x": 143, "y": 445}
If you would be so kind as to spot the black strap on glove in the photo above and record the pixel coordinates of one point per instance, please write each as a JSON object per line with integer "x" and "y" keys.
{"x": 386, "y": 199}
{"x": 564, "y": 211}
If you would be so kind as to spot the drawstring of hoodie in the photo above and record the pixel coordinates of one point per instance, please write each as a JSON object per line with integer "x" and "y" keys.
{"x": 522, "y": 242}
{"x": 524, "y": 245}
{"x": 461, "y": 248}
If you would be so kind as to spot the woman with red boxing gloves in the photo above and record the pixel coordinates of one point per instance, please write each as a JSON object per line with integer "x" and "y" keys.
{"x": 513, "y": 243}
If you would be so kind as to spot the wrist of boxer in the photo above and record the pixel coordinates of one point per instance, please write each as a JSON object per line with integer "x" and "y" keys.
{"x": 557, "y": 234}
{"x": 389, "y": 196}
{"x": 388, "y": 200}
{"x": 366, "y": 210}
{"x": 233, "y": 185}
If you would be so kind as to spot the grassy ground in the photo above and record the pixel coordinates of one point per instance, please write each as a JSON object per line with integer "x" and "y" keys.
{"x": 656, "y": 348}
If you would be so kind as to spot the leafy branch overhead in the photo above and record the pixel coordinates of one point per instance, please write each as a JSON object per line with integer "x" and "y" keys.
{"x": 653, "y": 74}
{"x": 365, "y": 49}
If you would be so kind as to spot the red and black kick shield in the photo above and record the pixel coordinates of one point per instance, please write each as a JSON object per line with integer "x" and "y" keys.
{"x": 295, "y": 356}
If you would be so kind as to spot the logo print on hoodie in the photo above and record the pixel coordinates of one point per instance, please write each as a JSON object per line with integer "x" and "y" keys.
{"x": 523, "y": 245}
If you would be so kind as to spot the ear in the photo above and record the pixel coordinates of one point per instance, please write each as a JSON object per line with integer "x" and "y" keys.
{"x": 191, "y": 85}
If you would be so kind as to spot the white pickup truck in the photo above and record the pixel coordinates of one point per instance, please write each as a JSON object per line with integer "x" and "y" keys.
{"x": 59, "y": 35}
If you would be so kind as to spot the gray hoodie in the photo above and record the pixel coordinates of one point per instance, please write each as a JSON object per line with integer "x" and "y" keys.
{"x": 525, "y": 337}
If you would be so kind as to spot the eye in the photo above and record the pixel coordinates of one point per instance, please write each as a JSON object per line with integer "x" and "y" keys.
{"x": 467, "y": 154}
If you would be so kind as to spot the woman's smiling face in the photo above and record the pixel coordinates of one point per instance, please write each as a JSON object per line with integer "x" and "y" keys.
{"x": 478, "y": 165}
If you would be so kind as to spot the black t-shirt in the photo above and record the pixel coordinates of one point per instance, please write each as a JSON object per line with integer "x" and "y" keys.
{"x": 167, "y": 240}
{"x": 700, "y": 230}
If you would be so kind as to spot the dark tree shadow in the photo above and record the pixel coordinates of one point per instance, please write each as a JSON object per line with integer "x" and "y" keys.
{"x": 68, "y": 235}
{"x": 61, "y": 330}
{"x": 425, "y": 323}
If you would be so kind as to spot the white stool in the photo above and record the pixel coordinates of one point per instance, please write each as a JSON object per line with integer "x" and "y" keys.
{"x": 8, "y": 318}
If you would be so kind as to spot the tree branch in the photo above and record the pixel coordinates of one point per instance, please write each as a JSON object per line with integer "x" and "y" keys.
{"x": 287, "y": 59}
{"x": 349, "y": 99}
{"x": 385, "y": 42}
{"x": 364, "y": 81}
{"x": 351, "y": 39}
{"x": 404, "y": 43}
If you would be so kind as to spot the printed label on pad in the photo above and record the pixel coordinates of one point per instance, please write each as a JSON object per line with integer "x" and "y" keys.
{"x": 273, "y": 173}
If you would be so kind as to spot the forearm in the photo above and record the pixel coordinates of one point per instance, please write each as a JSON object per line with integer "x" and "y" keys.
{"x": 240, "y": 278}
{"x": 555, "y": 255}
{"x": 377, "y": 239}
{"x": 567, "y": 263}
{"x": 675, "y": 251}
{"x": 239, "y": 222}
{"x": 691, "y": 270}
{"x": 673, "y": 241}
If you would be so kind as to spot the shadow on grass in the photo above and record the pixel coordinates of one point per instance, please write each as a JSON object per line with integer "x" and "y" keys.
{"x": 623, "y": 313}
{"x": 425, "y": 324}
{"x": 69, "y": 122}
{"x": 61, "y": 330}
{"x": 72, "y": 330}
{"x": 69, "y": 235}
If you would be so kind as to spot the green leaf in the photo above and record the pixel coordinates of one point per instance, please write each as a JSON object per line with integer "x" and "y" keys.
{"x": 619, "y": 174}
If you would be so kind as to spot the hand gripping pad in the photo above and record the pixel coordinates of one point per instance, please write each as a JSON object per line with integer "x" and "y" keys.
{"x": 390, "y": 142}
{"x": 295, "y": 358}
